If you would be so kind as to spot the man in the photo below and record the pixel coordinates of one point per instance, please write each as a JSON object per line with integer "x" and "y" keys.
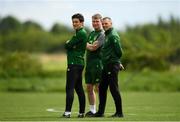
{"x": 93, "y": 62}
{"x": 111, "y": 54}
{"x": 75, "y": 59}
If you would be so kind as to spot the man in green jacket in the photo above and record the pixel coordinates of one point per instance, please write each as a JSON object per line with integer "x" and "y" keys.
{"x": 75, "y": 60}
{"x": 111, "y": 54}
{"x": 93, "y": 62}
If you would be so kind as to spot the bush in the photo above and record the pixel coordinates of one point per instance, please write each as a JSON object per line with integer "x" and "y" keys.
{"x": 19, "y": 65}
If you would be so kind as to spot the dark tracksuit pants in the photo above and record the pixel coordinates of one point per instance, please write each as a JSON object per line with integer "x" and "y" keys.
{"x": 110, "y": 78}
{"x": 74, "y": 81}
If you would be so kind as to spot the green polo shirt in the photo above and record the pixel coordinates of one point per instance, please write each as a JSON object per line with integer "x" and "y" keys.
{"x": 94, "y": 55}
{"x": 93, "y": 58}
{"x": 111, "y": 50}
{"x": 76, "y": 47}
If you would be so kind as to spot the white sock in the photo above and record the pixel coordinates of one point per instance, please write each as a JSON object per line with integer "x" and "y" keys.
{"x": 93, "y": 108}
{"x": 67, "y": 112}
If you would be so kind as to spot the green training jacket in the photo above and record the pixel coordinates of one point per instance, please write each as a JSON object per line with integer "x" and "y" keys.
{"x": 111, "y": 50}
{"x": 76, "y": 47}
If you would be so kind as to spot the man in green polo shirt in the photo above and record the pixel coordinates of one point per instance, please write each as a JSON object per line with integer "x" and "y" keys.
{"x": 111, "y": 54}
{"x": 75, "y": 59}
{"x": 93, "y": 61}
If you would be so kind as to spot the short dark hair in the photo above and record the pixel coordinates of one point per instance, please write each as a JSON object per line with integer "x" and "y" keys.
{"x": 107, "y": 18}
{"x": 78, "y": 16}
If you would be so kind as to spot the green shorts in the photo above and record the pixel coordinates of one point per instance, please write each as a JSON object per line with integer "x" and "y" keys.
{"x": 93, "y": 73}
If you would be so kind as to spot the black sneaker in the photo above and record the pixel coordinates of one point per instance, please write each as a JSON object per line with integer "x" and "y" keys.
{"x": 66, "y": 116}
{"x": 89, "y": 114}
{"x": 98, "y": 114}
{"x": 117, "y": 115}
{"x": 81, "y": 115}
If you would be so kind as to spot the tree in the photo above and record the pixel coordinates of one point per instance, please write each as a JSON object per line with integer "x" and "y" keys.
{"x": 30, "y": 24}
{"x": 9, "y": 24}
{"x": 60, "y": 29}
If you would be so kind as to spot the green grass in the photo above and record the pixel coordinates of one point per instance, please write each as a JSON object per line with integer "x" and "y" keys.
{"x": 138, "y": 106}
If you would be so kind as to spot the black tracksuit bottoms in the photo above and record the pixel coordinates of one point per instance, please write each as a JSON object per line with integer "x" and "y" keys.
{"x": 74, "y": 81}
{"x": 110, "y": 78}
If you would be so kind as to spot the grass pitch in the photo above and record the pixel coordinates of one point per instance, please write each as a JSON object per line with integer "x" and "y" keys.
{"x": 137, "y": 106}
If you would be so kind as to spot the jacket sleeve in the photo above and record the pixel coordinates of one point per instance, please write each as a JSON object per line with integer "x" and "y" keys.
{"x": 117, "y": 46}
{"x": 100, "y": 39}
{"x": 75, "y": 40}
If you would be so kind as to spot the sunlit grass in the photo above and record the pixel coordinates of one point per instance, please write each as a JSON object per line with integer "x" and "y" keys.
{"x": 53, "y": 62}
{"x": 54, "y": 78}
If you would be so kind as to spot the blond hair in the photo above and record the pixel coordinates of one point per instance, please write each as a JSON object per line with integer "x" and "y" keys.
{"x": 96, "y": 16}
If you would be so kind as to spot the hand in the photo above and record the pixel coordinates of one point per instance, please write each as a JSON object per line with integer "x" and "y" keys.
{"x": 96, "y": 43}
{"x": 88, "y": 45}
{"x": 121, "y": 67}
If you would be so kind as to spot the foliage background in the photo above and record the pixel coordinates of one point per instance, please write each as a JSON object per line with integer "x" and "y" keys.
{"x": 33, "y": 59}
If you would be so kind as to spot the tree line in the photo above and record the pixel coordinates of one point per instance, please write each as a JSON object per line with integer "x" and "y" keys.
{"x": 152, "y": 45}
